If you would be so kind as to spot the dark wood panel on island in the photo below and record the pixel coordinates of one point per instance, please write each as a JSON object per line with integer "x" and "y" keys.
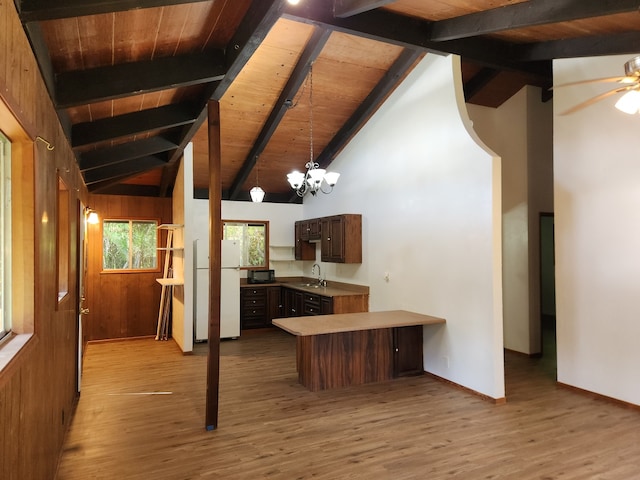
{"x": 352, "y": 349}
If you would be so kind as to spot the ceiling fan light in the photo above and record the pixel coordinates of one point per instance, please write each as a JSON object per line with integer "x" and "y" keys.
{"x": 331, "y": 178}
{"x": 629, "y": 102}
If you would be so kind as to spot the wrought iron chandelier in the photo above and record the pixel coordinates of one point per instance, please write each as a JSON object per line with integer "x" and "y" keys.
{"x": 315, "y": 178}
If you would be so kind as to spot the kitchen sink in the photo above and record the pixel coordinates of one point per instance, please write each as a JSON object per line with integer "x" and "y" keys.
{"x": 309, "y": 285}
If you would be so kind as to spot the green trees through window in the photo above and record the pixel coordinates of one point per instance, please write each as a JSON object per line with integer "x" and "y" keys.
{"x": 253, "y": 238}
{"x": 129, "y": 245}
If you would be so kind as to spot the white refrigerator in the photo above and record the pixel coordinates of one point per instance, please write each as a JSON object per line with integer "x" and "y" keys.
{"x": 229, "y": 290}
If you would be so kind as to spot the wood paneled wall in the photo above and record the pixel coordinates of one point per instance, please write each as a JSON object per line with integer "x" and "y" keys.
{"x": 122, "y": 304}
{"x": 38, "y": 388}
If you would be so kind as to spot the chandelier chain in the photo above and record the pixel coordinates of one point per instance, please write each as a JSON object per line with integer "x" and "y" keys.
{"x": 311, "y": 114}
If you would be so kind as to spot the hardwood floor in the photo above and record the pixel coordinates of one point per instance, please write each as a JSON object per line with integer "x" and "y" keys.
{"x": 271, "y": 427}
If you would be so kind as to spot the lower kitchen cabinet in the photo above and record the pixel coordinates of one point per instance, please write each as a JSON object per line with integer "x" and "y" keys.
{"x": 293, "y": 302}
{"x": 253, "y": 307}
{"x": 407, "y": 351}
{"x": 260, "y": 305}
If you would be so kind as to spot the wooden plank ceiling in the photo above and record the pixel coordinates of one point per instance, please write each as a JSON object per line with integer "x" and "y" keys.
{"x": 130, "y": 79}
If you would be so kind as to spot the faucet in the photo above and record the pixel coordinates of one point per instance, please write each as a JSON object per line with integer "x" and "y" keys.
{"x": 320, "y": 280}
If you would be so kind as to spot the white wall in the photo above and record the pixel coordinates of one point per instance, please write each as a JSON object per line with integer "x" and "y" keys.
{"x": 504, "y": 129}
{"x": 430, "y": 200}
{"x": 520, "y": 132}
{"x": 597, "y": 205}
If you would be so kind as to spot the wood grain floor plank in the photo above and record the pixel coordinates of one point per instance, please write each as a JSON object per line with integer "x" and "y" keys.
{"x": 273, "y": 428}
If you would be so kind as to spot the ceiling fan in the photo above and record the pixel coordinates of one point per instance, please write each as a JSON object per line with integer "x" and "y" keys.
{"x": 630, "y": 83}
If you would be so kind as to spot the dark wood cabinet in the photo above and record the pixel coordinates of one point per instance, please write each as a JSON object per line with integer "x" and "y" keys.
{"x": 311, "y": 304}
{"x": 326, "y": 305}
{"x": 303, "y": 249}
{"x": 274, "y": 303}
{"x": 310, "y": 229}
{"x": 407, "y": 351}
{"x": 253, "y": 307}
{"x": 259, "y": 305}
{"x": 341, "y": 240}
{"x": 292, "y": 300}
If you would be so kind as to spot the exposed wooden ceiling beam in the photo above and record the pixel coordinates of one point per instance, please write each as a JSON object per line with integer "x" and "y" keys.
{"x": 116, "y": 187}
{"x": 348, "y": 8}
{"x": 409, "y": 32}
{"x": 478, "y": 82}
{"x": 103, "y": 83}
{"x": 617, "y": 44}
{"x": 526, "y": 14}
{"x": 123, "y": 169}
{"x": 124, "y": 152}
{"x": 311, "y": 51}
{"x": 253, "y": 29}
{"x": 39, "y": 10}
{"x": 168, "y": 116}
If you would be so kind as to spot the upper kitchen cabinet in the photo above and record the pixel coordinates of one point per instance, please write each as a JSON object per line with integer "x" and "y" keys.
{"x": 303, "y": 249}
{"x": 341, "y": 240}
{"x": 311, "y": 229}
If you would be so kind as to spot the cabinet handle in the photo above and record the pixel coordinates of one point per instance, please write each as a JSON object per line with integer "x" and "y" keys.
{"x": 396, "y": 349}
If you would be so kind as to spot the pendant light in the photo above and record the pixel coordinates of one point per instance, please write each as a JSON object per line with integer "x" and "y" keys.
{"x": 315, "y": 178}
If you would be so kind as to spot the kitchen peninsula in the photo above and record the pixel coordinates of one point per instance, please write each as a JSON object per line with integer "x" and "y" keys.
{"x": 354, "y": 348}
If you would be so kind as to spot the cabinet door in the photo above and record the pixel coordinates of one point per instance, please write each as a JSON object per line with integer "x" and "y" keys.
{"x": 326, "y": 305}
{"x": 274, "y": 304}
{"x": 332, "y": 241}
{"x": 292, "y": 302}
{"x": 303, "y": 249}
{"x": 315, "y": 229}
{"x": 407, "y": 351}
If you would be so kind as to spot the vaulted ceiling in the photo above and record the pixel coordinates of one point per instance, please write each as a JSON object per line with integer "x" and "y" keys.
{"x": 130, "y": 79}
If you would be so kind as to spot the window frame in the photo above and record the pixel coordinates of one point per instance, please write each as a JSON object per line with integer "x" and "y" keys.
{"x": 5, "y": 236}
{"x": 16, "y": 346}
{"x": 131, "y": 220}
{"x": 266, "y": 241}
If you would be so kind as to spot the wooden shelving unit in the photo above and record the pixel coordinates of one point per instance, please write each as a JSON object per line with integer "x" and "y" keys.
{"x": 167, "y": 281}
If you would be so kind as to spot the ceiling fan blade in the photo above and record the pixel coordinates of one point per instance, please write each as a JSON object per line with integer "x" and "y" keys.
{"x": 597, "y": 98}
{"x": 622, "y": 80}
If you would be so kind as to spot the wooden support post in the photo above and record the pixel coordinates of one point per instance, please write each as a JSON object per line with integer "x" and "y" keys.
{"x": 215, "y": 239}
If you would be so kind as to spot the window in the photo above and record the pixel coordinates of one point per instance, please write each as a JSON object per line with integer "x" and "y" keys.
{"x": 253, "y": 238}
{"x": 129, "y": 245}
{"x": 5, "y": 235}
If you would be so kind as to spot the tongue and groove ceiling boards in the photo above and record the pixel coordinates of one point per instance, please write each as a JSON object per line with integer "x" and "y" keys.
{"x": 131, "y": 79}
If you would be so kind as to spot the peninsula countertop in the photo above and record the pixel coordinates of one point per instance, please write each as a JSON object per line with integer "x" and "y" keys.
{"x": 351, "y": 322}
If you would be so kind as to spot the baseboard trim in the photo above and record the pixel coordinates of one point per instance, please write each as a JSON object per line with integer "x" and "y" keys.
{"x": 522, "y": 354}
{"x": 121, "y": 339}
{"x": 599, "y": 396}
{"x": 496, "y": 401}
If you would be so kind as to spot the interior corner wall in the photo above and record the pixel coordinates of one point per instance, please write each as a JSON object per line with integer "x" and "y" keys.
{"x": 429, "y": 196}
{"x": 597, "y": 232}
{"x": 520, "y": 130}
{"x": 504, "y": 129}
{"x": 182, "y": 305}
{"x": 540, "y": 183}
